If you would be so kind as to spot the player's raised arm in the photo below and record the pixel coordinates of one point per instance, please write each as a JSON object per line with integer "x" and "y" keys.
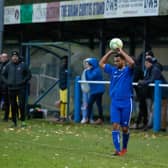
{"x": 105, "y": 58}
{"x": 128, "y": 58}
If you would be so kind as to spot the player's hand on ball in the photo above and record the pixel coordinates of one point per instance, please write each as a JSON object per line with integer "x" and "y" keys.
{"x": 119, "y": 50}
{"x": 115, "y": 44}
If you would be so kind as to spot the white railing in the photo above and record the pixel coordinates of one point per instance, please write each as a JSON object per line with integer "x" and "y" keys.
{"x": 108, "y": 82}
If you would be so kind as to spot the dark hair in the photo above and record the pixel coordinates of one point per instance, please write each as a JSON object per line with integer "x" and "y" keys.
{"x": 64, "y": 61}
{"x": 119, "y": 55}
{"x": 149, "y": 53}
{"x": 15, "y": 53}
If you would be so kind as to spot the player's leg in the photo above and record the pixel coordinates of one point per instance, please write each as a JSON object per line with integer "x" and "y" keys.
{"x": 115, "y": 119}
{"x": 125, "y": 121}
{"x": 125, "y": 139}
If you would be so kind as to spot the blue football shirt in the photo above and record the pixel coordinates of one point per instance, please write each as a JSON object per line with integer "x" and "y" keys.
{"x": 120, "y": 82}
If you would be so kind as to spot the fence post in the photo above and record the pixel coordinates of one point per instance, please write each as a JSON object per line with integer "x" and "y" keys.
{"x": 157, "y": 106}
{"x": 77, "y": 101}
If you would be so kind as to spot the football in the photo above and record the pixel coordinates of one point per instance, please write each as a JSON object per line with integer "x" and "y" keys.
{"x": 115, "y": 43}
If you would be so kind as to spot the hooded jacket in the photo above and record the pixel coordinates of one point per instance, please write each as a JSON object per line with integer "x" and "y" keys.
{"x": 94, "y": 74}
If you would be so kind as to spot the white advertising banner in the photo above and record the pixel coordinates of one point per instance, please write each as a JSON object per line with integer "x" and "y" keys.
{"x": 39, "y": 12}
{"x": 131, "y": 8}
{"x": 81, "y": 10}
{"x": 12, "y": 15}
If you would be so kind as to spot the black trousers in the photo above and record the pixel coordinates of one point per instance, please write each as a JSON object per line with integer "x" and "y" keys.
{"x": 143, "y": 112}
{"x": 21, "y": 95}
{"x": 98, "y": 99}
{"x": 143, "y": 93}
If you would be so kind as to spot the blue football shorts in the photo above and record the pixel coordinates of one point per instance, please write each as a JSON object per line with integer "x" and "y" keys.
{"x": 120, "y": 112}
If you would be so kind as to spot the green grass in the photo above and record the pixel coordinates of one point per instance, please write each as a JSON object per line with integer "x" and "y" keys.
{"x": 47, "y": 145}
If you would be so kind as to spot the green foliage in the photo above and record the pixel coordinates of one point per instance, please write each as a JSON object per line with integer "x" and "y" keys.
{"x": 43, "y": 144}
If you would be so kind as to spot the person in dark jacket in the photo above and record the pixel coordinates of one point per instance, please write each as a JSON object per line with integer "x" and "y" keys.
{"x": 141, "y": 96}
{"x": 153, "y": 73}
{"x": 16, "y": 76}
{"x": 145, "y": 92}
{"x": 94, "y": 73}
{"x": 4, "y": 87}
{"x": 150, "y": 54}
{"x": 63, "y": 75}
{"x": 156, "y": 74}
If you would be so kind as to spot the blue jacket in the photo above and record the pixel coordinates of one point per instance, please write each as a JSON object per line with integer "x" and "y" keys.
{"x": 95, "y": 74}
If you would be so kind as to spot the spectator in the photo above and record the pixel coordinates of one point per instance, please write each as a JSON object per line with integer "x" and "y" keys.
{"x": 1, "y": 98}
{"x": 4, "y": 87}
{"x": 149, "y": 54}
{"x": 153, "y": 72}
{"x": 155, "y": 62}
{"x": 140, "y": 94}
{"x": 145, "y": 93}
{"x": 63, "y": 77}
{"x": 164, "y": 106}
{"x": 16, "y": 76}
{"x": 85, "y": 94}
{"x": 94, "y": 73}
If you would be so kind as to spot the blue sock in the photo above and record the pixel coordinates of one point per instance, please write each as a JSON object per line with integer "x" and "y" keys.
{"x": 125, "y": 139}
{"x": 116, "y": 139}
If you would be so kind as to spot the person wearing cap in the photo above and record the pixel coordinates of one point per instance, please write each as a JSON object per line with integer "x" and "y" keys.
{"x": 157, "y": 64}
{"x": 149, "y": 75}
{"x": 4, "y": 87}
{"x": 150, "y": 54}
{"x": 153, "y": 73}
{"x": 146, "y": 92}
{"x": 16, "y": 76}
{"x": 142, "y": 116}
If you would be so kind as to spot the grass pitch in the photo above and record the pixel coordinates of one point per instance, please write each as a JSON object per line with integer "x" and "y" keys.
{"x": 46, "y": 145}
